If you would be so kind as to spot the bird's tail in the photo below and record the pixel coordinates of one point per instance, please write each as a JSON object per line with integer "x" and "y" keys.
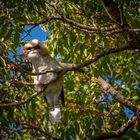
{"x": 54, "y": 109}
{"x": 55, "y": 114}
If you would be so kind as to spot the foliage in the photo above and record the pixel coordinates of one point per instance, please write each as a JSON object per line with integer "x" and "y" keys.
{"x": 78, "y": 31}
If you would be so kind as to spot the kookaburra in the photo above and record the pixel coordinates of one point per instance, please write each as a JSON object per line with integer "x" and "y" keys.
{"x": 41, "y": 62}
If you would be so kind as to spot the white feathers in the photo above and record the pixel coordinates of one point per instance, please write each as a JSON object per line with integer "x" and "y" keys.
{"x": 35, "y": 41}
{"x": 32, "y": 43}
{"x": 29, "y": 45}
{"x": 33, "y": 54}
{"x": 55, "y": 115}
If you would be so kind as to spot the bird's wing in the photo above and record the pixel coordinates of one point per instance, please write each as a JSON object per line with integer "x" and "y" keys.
{"x": 62, "y": 98}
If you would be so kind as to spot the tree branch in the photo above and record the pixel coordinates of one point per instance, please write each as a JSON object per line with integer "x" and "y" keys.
{"x": 115, "y": 13}
{"x": 28, "y": 32}
{"x": 72, "y": 23}
{"x": 45, "y": 134}
{"x": 80, "y": 67}
{"x": 134, "y": 30}
{"x": 28, "y": 126}
{"x": 17, "y": 103}
{"x": 76, "y": 67}
{"x": 73, "y": 67}
{"x": 112, "y": 11}
{"x": 120, "y": 98}
{"x": 118, "y": 133}
{"x": 103, "y": 30}
{"x": 102, "y": 54}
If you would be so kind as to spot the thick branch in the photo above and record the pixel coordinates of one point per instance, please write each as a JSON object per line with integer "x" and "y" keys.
{"x": 73, "y": 24}
{"x": 120, "y": 98}
{"x": 73, "y": 67}
{"x": 114, "y": 134}
{"x": 80, "y": 67}
{"x": 102, "y": 54}
{"x": 107, "y": 30}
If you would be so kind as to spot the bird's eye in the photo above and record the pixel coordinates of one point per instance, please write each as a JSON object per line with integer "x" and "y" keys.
{"x": 37, "y": 47}
{"x": 28, "y": 48}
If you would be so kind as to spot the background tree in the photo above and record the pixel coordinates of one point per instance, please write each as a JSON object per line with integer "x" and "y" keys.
{"x": 100, "y": 36}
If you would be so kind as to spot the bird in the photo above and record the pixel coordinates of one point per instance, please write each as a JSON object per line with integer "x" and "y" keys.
{"x": 41, "y": 61}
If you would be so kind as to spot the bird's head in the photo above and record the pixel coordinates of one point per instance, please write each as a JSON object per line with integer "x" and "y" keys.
{"x": 34, "y": 49}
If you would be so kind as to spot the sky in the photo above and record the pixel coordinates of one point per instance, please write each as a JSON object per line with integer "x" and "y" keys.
{"x": 36, "y": 33}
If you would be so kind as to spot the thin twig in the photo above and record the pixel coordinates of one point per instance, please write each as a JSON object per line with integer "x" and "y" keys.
{"x": 51, "y": 5}
{"x": 134, "y": 30}
{"x": 32, "y": 127}
{"x": 17, "y": 103}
